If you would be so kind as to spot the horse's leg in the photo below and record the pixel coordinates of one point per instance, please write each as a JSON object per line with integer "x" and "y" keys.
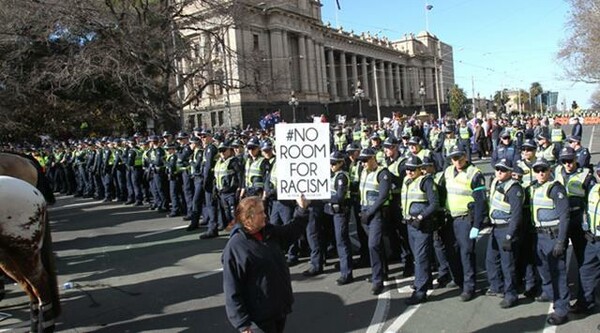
{"x": 15, "y": 272}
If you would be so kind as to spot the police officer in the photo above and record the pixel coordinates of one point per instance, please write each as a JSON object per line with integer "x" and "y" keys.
{"x": 546, "y": 149}
{"x": 339, "y": 139}
{"x": 175, "y": 183}
{"x": 590, "y": 268}
{"x": 355, "y": 170}
{"x": 464, "y": 137}
{"x": 183, "y": 163}
{"x": 415, "y": 146}
{"x": 196, "y": 173}
{"x": 550, "y": 212}
{"x": 397, "y": 232}
{"x": 228, "y": 178}
{"x": 134, "y": 162}
{"x": 557, "y": 135}
{"x": 156, "y": 158}
{"x": 528, "y": 151}
{"x": 506, "y": 210}
{"x": 108, "y": 161}
{"x": 337, "y": 208}
{"x": 120, "y": 170}
{"x": 207, "y": 166}
{"x": 419, "y": 204}
{"x": 466, "y": 204}
{"x": 449, "y": 141}
{"x": 256, "y": 170}
{"x": 375, "y": 184}
{"x": 577, "y": 182}
{"x": 506, "y": 149}
{"x": 582, "y": 153}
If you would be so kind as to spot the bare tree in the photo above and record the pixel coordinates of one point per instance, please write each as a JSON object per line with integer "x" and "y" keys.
{"x": 579, "y": 51}
{"x": 105, "y": 62}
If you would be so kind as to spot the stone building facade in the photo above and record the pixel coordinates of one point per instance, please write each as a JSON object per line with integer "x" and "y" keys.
{"x": 282, "y": 49}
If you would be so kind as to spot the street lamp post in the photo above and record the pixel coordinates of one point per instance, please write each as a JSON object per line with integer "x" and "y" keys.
{"x": 293, "y": 102}
{"x": 422, "y": 94}
{"x": 359, "y": 94}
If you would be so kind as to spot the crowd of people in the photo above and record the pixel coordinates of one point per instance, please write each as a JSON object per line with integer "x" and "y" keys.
{"x": 410, "y": 181}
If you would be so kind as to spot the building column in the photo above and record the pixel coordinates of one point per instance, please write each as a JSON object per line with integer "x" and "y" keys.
{"x": 354, "y": 73}
{"x": 312, "y": 65}
{"x": 428, "y": 83}
{"x": 303, "y": 64}
{"x": 364, "y": 76}
{"x": 343, "y": 87}
{"x": 332, "y": 77}
{"x": 390, "y": 84}
{"x": 321, "y": 55}
{"x": 382, "y": 83}
{"x": 277, "y": 55}
{"x": 398, "y": 83}
{"x": 407, "y": 80}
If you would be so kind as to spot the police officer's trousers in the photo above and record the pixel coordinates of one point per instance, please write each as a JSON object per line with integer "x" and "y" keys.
{"x": 500, "y": 264}
{"x": 188, "y": 191}
{"x": 314, "y": 234}
{"x": 374, "y": 231}
{"x": 342, "y": 240}
{"x": 590, "y": 271}
{"x": 466, "y": 248}
{"x": 421, "y": 244}
{"x": 553, "y": 272}
{"x": 176, "y": 195}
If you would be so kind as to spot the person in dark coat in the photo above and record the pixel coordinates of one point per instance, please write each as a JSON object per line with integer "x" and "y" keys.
{"x": 256, "y": 278}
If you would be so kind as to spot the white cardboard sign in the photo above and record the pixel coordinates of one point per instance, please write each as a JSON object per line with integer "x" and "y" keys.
{"x": 302, "y": 152}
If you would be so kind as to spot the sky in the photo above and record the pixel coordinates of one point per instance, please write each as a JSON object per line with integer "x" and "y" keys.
{"x": 497, "y": 43}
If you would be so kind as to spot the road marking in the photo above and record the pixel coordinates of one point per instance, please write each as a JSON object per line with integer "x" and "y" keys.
{"x": 383, "y": 307}
{"x": 81, "y": 204}
{"x": 547, "y": 327}
{"x": 160, "y": 231}
{"x": 206, "y": 274}
{"x": 403, "y": 318}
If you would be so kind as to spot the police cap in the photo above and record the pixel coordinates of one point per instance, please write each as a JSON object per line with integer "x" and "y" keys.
{"x": 223, "y": 146}
{"x": 353, "y": 147}
{"x": 166, "y": 134}
{"x": 153, "y": 138}
{"x": 543, "y": 136}
{"x": 198, "y": 129}
{"x": 455, "y": 151}
{"x": 390, "y": 142}
{"x": 171, "y": 146}
{"x": 219, "y": 136}
{"x": 567, "y": 153}
{"x": 414, "y": 141}
{"x": 529, "y": 143}
{"x": 449, "y": 129}
{"x": 504, "y": 164}
{"x": 366, "y": 154}
{"x": 253, "y": 143}
{"x": 405, "y": 135}
{"x": 574, "y": 138}
{"x": 206, "y": 132}
{"x": 517, "y": 170}
{"x": 427, "y": 161}
{"x": 413, "y": 163}
{"x": 505, "y": 134}
{"x": 541, "y": 163}
{"x": 236, "y": 143}
{"x": 194, "y": 139}
{"x": 182, "y": 135}
{"x": 375, "y": 136}
{"x": 336, "y": 157}
{"x": 266, "y": 145}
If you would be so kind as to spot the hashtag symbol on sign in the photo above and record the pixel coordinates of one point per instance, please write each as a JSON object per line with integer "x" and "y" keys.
{"x": 290, "y": 135}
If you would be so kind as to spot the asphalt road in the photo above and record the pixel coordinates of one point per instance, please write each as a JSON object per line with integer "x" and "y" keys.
{"x": 135, "y": 270}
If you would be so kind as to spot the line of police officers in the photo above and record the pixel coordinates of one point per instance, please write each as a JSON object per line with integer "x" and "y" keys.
{"x": 423, "y": 196}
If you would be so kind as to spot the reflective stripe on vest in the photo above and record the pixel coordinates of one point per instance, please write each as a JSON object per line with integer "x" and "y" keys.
{"x": 221, "y": 171}
{"x": 139, "y": 157}
{"x": 574, "y": 185}
{"x": 369, "y": 187}
{"x": 459, "y": 190}
{"x": 528, "y": 174}
{"x": 448, "y": 144}
{"x": 542, "y": 206}
{"x": 339, "y": 142}
{"x": 500, "y": 211}
{"x": 414, "y": 199}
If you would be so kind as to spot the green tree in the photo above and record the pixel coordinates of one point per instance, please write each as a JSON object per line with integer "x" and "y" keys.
{"x": 500, "y": 99}
{"x": 579, "y": 50}
{"x": 535, "y": 90}
{"x": 458, "y": 99}
{"x": 522, "y": 97}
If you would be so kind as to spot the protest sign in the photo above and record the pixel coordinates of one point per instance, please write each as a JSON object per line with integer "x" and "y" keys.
{"x": 302, "y": 152}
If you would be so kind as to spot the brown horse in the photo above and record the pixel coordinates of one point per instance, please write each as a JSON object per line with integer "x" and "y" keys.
{"x": 26, "y": 249}
{"x": 27, "y": 168}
